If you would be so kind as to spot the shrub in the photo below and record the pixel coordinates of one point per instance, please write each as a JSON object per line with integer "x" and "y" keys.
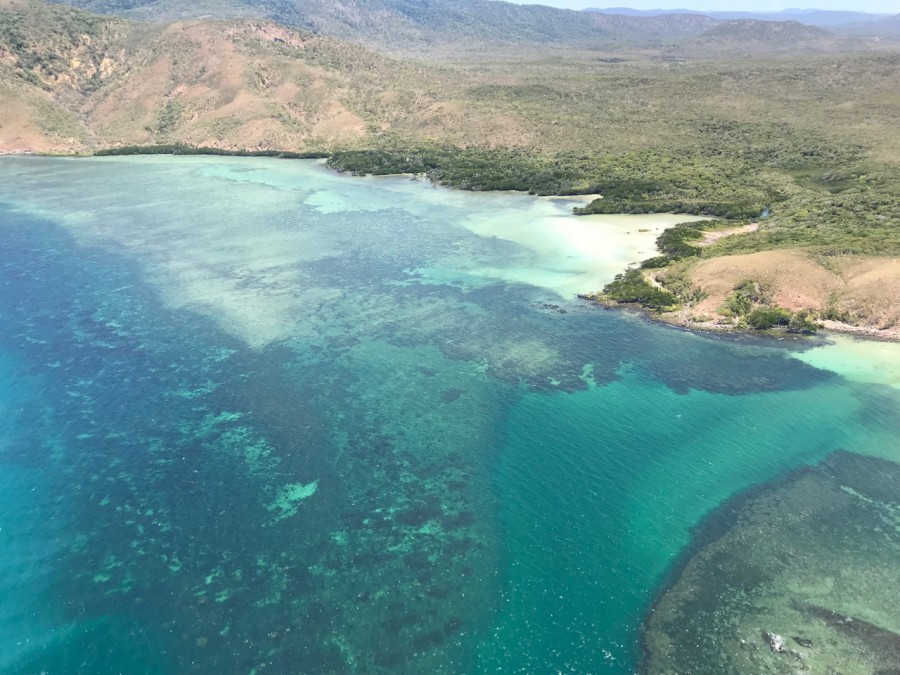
{"x": 764, "y": 318}
{"x": 632, "y": 287}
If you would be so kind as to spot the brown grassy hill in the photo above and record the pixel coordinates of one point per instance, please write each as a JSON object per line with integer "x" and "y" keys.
{"x": 748, "y": 36}
{"x": 861, "y": 291}
{"x": 48, "y": 57}
{"x": 75, "y": 80}
{"x": 71, "y": 79}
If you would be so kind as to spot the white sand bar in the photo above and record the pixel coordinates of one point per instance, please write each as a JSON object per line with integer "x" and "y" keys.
{"x": 251, "y": 243}
{"x": 856, "y": 359}
{"x": 571, "y": 254}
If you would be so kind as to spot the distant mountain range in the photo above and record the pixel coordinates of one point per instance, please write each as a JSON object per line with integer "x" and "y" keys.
{"x": 407, "y": 25}
{"x": 747, "y": 36}
{"x": 887, "y": 27}
{"x": 430, "y": 26}
{"x": 809, "y": 17}
{"x": 70, "y": 78}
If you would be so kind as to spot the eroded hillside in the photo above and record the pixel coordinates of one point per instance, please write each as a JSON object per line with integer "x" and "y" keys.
{"x": 73, "y": 80}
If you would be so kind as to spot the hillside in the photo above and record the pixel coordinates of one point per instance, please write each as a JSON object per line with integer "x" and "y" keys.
{"x": 680, "y": 126}
{"x": 750, "y": 36}
{"x": 249, "y": 83}
{"x": 888, "y": 27}
{"x": 92, "y": 81}
{"x": 76, "y": 80}
{"x": 809, "y": 17}
{"x": 414, "y": 25}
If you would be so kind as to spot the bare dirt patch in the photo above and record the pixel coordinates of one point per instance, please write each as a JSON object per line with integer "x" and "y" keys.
{"x": 714, "y": 236}
{"x": 863, "y": 292}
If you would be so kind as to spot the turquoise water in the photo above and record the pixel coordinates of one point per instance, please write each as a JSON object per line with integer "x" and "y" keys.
{"x": 258, "y": 417}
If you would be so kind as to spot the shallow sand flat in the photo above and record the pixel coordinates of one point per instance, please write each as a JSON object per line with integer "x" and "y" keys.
{"x": 241, "y": 255}
{"x": 857, "y": 359}
{"x": 571, "y": 254}
{"x": 248, "y": 254}
{"x": 561, "y": 252}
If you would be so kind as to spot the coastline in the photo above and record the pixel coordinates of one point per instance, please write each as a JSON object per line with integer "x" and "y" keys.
{"x": 863, "y": 332}
{"x": 531, "y": 353}
{"x": 891, "y": 336}
{"x": 682, "y": 319}
{"x": 827, "y": 326}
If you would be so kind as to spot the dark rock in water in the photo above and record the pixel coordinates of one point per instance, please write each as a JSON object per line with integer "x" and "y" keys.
{"x": 875, "y": 637}
{"x": 832, "y": 543}
{"x": 451, "y": 395}
{"x": 553, "y": 308}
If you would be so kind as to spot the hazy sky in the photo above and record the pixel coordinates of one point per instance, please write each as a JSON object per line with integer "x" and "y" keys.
{"x": 878, "y": 6}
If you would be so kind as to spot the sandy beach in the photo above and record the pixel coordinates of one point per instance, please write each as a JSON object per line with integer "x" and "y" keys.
{"x": 857, "y": 359}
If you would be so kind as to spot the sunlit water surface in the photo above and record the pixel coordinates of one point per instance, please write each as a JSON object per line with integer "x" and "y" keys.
{"x": 258, "y": 417}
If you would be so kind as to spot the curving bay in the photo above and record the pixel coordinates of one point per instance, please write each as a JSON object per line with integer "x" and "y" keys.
{"x": 259, "y": 417}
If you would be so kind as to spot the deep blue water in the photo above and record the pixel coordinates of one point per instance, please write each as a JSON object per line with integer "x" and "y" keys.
{"x": 251, "y": 426}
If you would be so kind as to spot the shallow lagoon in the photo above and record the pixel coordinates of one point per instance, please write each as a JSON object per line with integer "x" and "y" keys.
{"x": 262, "y": 417}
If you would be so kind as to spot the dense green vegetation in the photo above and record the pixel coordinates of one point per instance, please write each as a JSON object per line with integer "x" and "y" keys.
{"x": 675, "y": 243}
{"x": 821, "y": 193}
{"x": 852, "y": 210}
{"x": 763, "y": 318}
{"x": 636, "y": 182}
{"x": 751, "y": 304}
{"x": 476, "y": 168}
{"x": 746, "y": 294}
{"x": 631, "y": 287}
{"x": 699, "y": 207}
